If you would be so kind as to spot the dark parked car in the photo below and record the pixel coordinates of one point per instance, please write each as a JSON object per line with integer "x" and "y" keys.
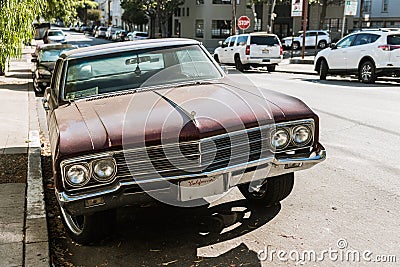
{"x": 159, "y": 119}
{"x": 45, "y": 57}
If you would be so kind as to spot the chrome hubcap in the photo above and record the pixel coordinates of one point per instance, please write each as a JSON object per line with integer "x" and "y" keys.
{"x": 366, "y": 72}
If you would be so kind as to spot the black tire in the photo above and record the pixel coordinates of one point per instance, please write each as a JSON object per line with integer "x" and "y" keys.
{"x": 216, "y": 58}
{"x": 238, "y": 64}
{"x": 366, "y": 72}
{"x": 271, "y": 192}
{"x": 271, "y": 68}
{"x": 295, "y": 45}
{"x": 323, "y": 70}
{"x": 86, "y": 229}
{"x": 322, "y": 44}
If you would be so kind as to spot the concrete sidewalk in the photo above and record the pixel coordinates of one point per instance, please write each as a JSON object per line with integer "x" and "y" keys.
{"x": 23, "y": 225}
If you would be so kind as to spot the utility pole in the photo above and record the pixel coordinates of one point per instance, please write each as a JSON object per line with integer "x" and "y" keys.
{"x": 233, "y": 23}
{"x": 272, "y": 17}
{"x": 109, "y": 12}
{"x": 305, "y": 15}
{"x": 360, "y": 18}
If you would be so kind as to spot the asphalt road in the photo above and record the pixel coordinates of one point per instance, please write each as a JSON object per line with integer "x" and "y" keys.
{"x": 346, "y": 207}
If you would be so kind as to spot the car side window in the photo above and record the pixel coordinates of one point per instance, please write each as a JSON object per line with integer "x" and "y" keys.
{"x": 232, "y": 41}
{"x": 226, "y": 42}
{"x": 321, "y": 33}
{"x": 393, "y": 39}
{"x": 365, "y": 38}
{"x": 241, "y": 40}
{"x": 311, "y": 34}
{"x": 346, "y": 42}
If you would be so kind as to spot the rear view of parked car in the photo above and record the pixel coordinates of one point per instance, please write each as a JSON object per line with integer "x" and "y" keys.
{"x": 111, "y": 31}
{"x": 367, "y": 54}
{"x": 101, "y": 32}
{"x": 250, "y": 50}
{"x": 54, "y": 36}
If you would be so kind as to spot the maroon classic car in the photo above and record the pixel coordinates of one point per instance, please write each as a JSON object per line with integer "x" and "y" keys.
{"x": 159, "y": 119}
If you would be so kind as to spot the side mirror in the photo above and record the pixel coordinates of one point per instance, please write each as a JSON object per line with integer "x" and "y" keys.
{"x": 34, "y": 59}
{"x": 333, "y": 45}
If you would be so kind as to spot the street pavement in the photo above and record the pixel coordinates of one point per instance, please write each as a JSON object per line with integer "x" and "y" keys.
{"x": 349, "y": 202}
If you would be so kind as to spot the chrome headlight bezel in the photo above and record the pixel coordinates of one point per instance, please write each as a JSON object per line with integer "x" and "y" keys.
{"x": 87, "y": 170}
{"x": 274, "y": 132}
{"x": 110, "y": 177}
{"x": 295, "y": 129}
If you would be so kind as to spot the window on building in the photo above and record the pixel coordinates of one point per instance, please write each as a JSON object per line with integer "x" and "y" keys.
{"x": 199, "y": 28}
{"x": 227, "y": 2}
{"x": 220, "y": 28}
{"x": 187, "y": 11}
{"x": 385, "y": 5}
{"x": 177, "y": 27}
{"x": 367, "y": 6}
{"x": 183, "y": 12}
{"x": 334, "y": 25}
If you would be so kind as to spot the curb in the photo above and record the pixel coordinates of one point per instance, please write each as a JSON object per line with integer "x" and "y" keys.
{"x": 301, "y": 61}
{"x": 36, "y": 240}
{"x": 296, "y": 72}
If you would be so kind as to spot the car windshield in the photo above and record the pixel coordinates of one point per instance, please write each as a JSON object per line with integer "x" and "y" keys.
{"x": 264, "y": 40}
{"x": 51, "y": 55}
{"x": 56, "y": 33}
{"x": 137, "y": 69}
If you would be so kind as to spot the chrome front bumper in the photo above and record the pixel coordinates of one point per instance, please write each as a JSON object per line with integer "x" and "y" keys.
{"x": 130, "y": 192}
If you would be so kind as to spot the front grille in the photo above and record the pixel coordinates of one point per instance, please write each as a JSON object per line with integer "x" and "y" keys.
{"x": 194, "y": 157}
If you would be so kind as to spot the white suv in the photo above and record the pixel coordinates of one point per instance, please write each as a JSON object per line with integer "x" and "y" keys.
{"x": 367, "y": 54}
{"x": 311, "y": 39}
{"x": 250, "y": 50}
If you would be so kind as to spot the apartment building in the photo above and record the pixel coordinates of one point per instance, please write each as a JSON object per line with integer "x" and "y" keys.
{"x": 379, "y": 13}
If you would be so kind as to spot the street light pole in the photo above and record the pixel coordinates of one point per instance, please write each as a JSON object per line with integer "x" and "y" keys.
{"x": 233, "y": 23}
{"x": 305, "y": 15}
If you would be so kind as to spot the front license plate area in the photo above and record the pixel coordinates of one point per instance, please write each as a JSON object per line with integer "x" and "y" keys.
{"x": 201, "y": 187}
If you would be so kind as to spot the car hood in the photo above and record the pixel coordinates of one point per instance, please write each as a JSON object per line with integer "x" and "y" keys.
{"x": 56, "y": 37}
{"x": 172, "y": 114}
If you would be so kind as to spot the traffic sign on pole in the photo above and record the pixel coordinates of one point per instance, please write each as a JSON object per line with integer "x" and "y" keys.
{"x": 350, "y": 8}
{"x": 243, "y": 23}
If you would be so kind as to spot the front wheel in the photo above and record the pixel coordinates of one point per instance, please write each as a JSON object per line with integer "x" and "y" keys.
{"x": 271, "y": 192}
{"x": 216, "y": 58}
{"x": 367, "y": 72}
{"x": 85, "y": 229}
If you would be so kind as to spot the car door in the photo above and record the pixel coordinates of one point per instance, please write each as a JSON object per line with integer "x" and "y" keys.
{"x": 359, "y": 47}
{"x": 337, "y": 57}
{"x": 231, "y": 50}
{"x": 223, "y": 52}
{"x": 311, "y": 38}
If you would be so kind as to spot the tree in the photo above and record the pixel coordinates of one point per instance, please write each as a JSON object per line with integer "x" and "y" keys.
{"x": 16, "y": 27}
{"x": 165, "y": 9}
{"x": 94, "y": 15}
{"x": 133, "y": 13}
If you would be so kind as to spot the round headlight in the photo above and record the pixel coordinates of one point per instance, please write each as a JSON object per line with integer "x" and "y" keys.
{"x": 301, "y": 135}
{"x": 280, "y": 138}
{"x": 104, "y": 170}
{"x": 77, "y": 175}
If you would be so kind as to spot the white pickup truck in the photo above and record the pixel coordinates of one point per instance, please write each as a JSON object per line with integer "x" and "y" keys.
{"x": 250, "y": 50}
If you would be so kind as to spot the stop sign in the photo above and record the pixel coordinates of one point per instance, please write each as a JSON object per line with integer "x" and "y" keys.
{"x": 243, "y": 23}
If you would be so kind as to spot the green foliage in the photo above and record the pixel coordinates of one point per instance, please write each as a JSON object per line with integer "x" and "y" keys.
{"x": 16, "y": 28}
{"x": 93, "y": 15}
{"x": 134, "y": 13}
{"x": 65, "y": 10}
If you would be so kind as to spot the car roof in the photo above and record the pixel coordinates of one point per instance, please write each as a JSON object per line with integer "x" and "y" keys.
{"x": 57, "y": 46}
{"x": 127, "y": 46}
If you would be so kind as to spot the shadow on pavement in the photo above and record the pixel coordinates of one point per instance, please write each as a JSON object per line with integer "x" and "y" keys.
{"x": 158, "y": 234}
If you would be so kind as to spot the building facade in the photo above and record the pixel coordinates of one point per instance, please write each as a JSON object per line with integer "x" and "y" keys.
{"x": 379, "y": 14}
